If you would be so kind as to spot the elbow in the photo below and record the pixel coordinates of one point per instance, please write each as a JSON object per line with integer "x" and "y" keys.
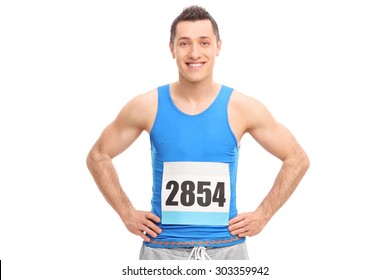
{"x": 305, "y": 162}
{"x": 95, "y": 158}
{"x": 92, "y": 158}
{"x": 89, "y": 160}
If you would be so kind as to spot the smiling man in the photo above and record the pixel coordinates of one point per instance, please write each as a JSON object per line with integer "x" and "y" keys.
{"x": 195, "y": 127}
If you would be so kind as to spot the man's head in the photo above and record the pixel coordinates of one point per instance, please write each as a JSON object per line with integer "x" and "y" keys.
{"x": 194, "y": 13}
{"x": 195, "y": 44}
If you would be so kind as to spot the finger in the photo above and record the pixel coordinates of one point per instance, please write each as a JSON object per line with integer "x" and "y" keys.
{"x": 244, "y": 232}
{"x": 151, "y": 216}
{"x": 153, "y": 227}
{"x": 237, "y": 225}
{"x": 236, "y": 232}
{"x": 144, "y": 236}
{"x": 247, "y": 233}
{"x": 149, "y": 231}
{"x": 240, "y": 230}
{"x": 236, "y": 219}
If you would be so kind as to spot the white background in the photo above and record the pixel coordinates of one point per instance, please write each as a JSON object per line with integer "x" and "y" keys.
{"x": 68, "y": 67}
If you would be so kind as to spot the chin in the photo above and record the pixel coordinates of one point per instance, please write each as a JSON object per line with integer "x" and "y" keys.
{"x": 196, "y": 79}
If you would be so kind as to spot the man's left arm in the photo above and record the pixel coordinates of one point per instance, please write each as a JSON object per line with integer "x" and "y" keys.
{"x": 280, "y": 142}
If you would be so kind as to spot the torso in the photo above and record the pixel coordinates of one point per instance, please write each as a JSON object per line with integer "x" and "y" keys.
{"x": 194, "y": 156}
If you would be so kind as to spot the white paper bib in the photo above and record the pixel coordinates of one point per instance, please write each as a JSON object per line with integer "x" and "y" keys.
{"x": 195, "y": 193}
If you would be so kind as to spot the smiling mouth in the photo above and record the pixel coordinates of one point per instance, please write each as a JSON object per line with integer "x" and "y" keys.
{"x": 195, "y": 65}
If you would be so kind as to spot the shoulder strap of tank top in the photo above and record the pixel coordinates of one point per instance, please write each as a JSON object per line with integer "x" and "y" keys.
{"x": 223, "y": 97}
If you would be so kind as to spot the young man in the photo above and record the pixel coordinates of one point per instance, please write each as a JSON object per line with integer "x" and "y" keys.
{"x": 195, "y": 127}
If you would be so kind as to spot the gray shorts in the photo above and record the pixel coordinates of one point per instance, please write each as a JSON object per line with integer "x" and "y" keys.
{"x": 235, "y": 252}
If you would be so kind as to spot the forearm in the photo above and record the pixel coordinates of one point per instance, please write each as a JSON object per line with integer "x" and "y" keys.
{"x": 106, "y": 178}
{"x": 287, "y": 180}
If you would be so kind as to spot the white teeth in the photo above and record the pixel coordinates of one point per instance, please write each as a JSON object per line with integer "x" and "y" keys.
{"x": 195, "y": 64}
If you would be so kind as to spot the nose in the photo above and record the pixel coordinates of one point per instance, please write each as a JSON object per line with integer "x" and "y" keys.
{"x": 194, "y": 52}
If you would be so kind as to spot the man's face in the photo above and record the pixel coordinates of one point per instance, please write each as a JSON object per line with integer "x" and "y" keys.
{"x": 195, "y": 48}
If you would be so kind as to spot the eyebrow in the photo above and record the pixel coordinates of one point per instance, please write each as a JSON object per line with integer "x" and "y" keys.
{"x": 188, "y": 38}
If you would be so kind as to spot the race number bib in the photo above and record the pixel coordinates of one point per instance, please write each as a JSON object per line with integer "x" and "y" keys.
{"x": 195, "y": 193}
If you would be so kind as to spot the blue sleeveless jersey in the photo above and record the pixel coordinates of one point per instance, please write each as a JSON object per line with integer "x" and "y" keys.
{"x": 194, "y": 161}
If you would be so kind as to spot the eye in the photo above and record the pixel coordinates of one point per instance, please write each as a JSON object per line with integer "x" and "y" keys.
{"x": 183, "y": 44}
{"x": 205, "y": 43}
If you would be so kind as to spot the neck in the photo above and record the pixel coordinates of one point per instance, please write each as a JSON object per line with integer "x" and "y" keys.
{"x": 195, "y": 91}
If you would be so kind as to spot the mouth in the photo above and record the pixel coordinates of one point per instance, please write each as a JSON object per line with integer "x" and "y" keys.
{"x": 195, "y": 65}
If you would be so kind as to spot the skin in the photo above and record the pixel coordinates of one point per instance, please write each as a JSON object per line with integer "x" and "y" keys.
{"x": 195, "y": 49}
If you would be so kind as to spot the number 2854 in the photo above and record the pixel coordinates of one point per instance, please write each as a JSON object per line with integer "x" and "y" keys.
{"x": 188, "y": 193}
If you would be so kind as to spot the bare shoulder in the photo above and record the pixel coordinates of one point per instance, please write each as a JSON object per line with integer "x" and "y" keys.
{"x": 143, "y": 102}
{"x": 140, "y": 111}
{"x": 250, "y": 115}
{"x": 248, "y": 112}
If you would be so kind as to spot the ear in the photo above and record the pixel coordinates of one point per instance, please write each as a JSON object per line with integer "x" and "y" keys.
{"x": 219, "y": 44}
{"x": 172, "y": 48}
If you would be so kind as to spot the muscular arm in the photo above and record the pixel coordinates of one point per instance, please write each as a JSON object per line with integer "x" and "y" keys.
{"x": 136, "y": 116}
{"x": 279, "y": 141}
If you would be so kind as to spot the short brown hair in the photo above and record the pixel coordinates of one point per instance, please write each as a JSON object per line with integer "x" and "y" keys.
{"x": 194, "y": 13}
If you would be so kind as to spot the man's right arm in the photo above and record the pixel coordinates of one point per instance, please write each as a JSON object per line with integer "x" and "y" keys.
{"x": 136, "y": 116}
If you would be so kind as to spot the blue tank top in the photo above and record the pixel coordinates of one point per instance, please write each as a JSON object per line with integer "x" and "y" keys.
{"x": 194, "y": 162}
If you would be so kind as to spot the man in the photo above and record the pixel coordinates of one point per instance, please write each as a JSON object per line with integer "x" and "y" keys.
{"x": 195, "y": 127}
